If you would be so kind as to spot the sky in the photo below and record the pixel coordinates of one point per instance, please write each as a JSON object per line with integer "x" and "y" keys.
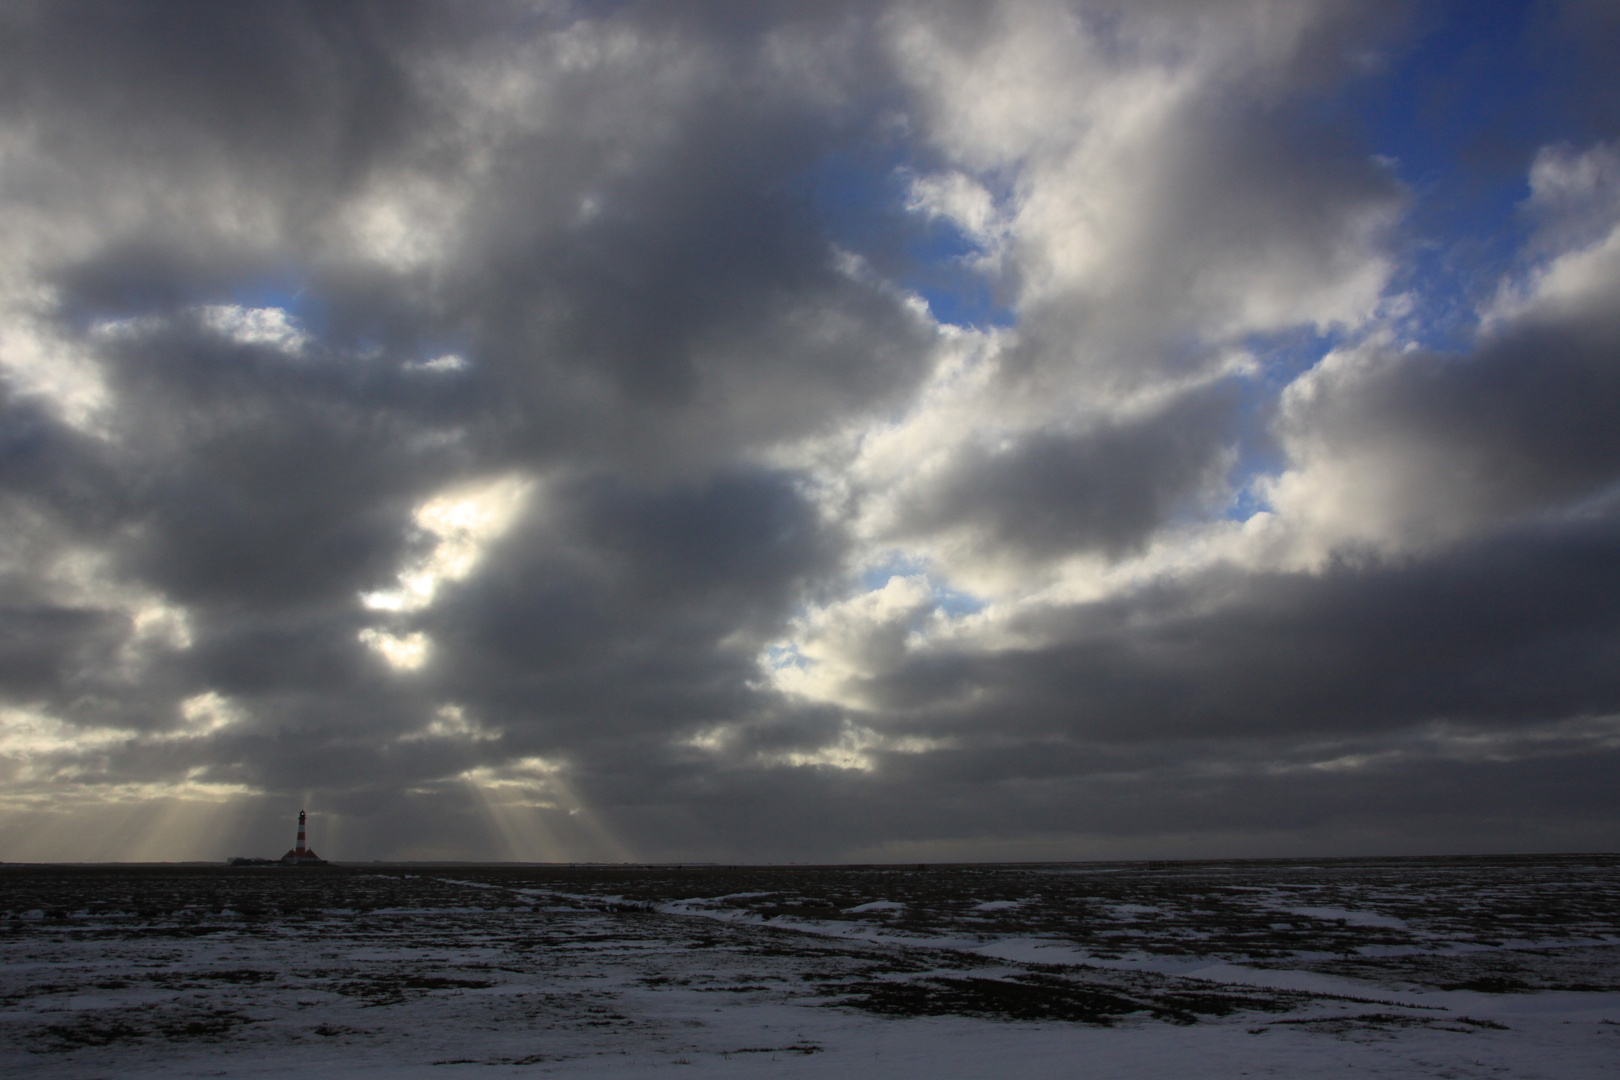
{"x": 824, "y": 431}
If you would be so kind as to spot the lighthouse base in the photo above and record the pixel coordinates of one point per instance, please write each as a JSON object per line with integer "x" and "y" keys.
{"x": 307, "y": 857}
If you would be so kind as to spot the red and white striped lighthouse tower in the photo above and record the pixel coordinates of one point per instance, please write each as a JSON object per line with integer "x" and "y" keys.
{"x": 301, "y": 853}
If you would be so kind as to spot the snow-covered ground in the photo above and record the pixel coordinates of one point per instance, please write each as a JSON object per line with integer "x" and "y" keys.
{"x": 1456, "y": 968}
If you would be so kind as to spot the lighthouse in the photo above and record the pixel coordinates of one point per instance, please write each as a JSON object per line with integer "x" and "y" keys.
{"x": 301, "y": 855}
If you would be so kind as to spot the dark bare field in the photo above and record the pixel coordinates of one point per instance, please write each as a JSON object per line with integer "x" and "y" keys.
{"x": 547, "y": 965}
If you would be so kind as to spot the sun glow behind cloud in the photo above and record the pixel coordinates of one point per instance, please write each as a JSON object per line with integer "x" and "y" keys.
{"x": 459, "y": 523}
{"x": 402, "y": 652}
{"x": 37, "y": 748}
{"x": 853, "y": 748}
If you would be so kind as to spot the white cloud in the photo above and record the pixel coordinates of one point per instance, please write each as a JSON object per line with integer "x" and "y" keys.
{"x": 1134, "y": 191}
{"x": 207, "y": 714}
{"x": 39, "y": 361}
{"x": 444, "y": 364}
{"x": 271, "y": 326}
{"x": 834, "y": 648}
{"x": 28, "y": 734}
{"x": 1575, "y": 193}
{"x": 45, "y": 760}
{"x": 967, "y": 204}
{"x": 404, "y": 222}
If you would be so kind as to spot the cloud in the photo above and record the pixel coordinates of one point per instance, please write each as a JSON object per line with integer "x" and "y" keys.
{"x": 1048, "y": 492}
{"x": 1156, "y": 193}
{"x": 796, "y": 430}
{"x": 1402, "y": 447}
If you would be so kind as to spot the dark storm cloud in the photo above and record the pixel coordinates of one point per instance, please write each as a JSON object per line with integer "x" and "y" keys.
{"x": 304, "y": 92}
{"x": 42, "y": 649}
{"x": 1519, "y": 628}
{"x": 653, "y": 244}
{"x": 263, "y": 479}
{"x": 285, "y": 282}
{"x": 251, "y": 482}
{"x": 1057, "y": 801}
{"x": 1107, "y": 489}
{"x": 609, "y": 622}
{"x": 53, "y": 480}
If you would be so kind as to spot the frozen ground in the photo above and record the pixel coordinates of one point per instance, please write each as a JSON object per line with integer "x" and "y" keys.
{"x": 1400, "y": 968}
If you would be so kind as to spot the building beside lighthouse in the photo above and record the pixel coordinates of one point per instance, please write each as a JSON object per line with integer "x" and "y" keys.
{"x": 302, "y": 855}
